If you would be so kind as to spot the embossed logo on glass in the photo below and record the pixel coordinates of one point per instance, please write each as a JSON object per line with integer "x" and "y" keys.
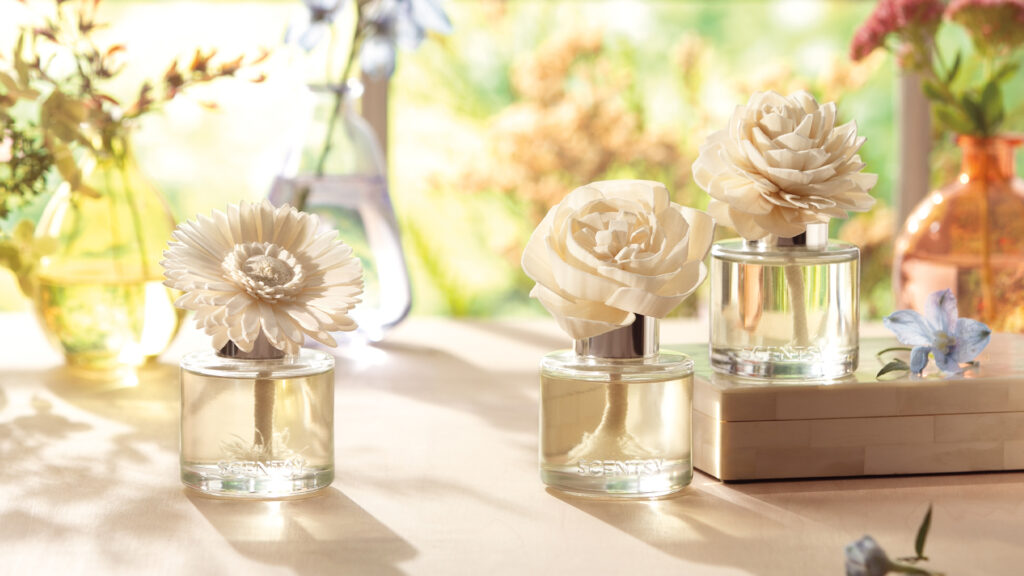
{"x": 619, "y": 467}
{"x": 273, "y": 459}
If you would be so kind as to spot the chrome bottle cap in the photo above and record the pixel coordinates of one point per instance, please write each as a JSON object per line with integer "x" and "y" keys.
{"x": 261, "y": 350}
{"x": 815, "y": 237}
{"x": 638, "y": 340}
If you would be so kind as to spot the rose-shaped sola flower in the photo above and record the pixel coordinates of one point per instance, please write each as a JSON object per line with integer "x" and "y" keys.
{"x": 614, "y": 249}
{"x": 259, "y": 269}
{"x": 783, "y": 164}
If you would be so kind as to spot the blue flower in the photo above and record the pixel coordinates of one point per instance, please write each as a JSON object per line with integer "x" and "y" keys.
{"x": 310, "y": 28}
{"x": 949, "y": 339}
{"x": 866, "y": 558}
{"x": 394, "y": 23}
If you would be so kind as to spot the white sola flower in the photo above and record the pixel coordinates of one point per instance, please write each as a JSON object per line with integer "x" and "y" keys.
{"x": 783, "y": 164}
{"x": 256, "y": 268}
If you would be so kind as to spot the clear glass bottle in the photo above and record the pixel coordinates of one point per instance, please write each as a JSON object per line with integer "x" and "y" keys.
{"x": 100, "y": 295}
{"x": 615, "y": 416}
{"x": 785, "y": 307}
{"x": 257, "y": 425}
{"x": 339, "y": 173}
{"x": 968, "y": 236}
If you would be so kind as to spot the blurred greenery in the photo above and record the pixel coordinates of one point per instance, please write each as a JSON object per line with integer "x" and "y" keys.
{"x": 524, "y": 101}
{"x": 526, "y": 73}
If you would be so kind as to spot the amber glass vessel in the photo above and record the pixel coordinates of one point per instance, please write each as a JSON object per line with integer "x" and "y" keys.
{"x": 969, "y": 237}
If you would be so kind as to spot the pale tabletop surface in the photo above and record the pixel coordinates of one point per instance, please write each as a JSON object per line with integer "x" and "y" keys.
{"x": 436, "y": 474}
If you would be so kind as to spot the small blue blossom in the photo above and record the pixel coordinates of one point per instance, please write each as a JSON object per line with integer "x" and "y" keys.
{"x": 866, "y": 558}
{"x": 951, "y": 340}
{"x": 398, "y": 23}
{"x": 314, "y": 23}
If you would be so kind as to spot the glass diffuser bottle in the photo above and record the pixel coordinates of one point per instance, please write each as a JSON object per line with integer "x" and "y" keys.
{"x": 608, "y": 261}
{"x": 785, "y": 307}
{"x": 615, "y": 415}
{"x": 257, "y": 410}
{"x": 257, "y": 424}
{"x": 784, "y": 298}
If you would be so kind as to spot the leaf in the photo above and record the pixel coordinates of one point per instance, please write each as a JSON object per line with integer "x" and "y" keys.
{"x": 953, "y": 118}
{"x": 8, "y": 83}
{"x": 63, "y": 116}
{"x": 1005, "y": 71}
{"x": 24, "y": 231}
{"x": 974, "y": 111}
{"x": 19, "y": 63}
{"x": 65, "y": 162}
{"x": 922, "y": 533}
{"x": 894, "y": 366}
{"x": 229, "y": 68}
{"x": 954, "y": 68}
{"x": 932, "y": 90}
{"x": 68, "y": 168}
{"x": 992, "y": 105}
{"x": 114, "y": 50}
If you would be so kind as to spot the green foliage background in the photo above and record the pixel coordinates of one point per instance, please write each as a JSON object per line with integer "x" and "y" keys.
{"x": 675, "y": 68}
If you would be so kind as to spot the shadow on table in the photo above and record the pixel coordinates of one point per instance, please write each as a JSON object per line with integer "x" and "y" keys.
{"x": 526, "y": 335}
{"x": 701, "y": 527}
{"x": 324, "y": 534}
{"x": 55, "y": 409}
{"x": 500, "y": 399}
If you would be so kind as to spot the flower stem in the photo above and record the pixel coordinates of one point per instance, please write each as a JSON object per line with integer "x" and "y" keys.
{"x": 611, "y": 440}
{"x": 339, "y": 95}
{"x": 263, "y": 412}
{"x": 126, "y": 173}
{"x": 795, "y": 281}
{"x": 987, "y": 301}
{"x": 902, "y": 568}
{"x": 613, "y": 421}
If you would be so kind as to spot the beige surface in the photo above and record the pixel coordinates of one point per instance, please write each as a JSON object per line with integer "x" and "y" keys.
{"x": 436, "y": 451}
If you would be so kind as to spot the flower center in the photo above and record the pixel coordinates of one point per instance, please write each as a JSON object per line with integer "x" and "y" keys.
{"x": 265, "y": 271}
{"x": 269, "y": 270}
{"x": 943, "y": 342}
{"x": 621, "y": 237}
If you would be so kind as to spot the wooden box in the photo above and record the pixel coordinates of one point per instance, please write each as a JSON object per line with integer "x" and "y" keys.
{"x": 754, "y": 430}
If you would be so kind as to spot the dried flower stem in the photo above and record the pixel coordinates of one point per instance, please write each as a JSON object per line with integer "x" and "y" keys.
{"x": 616, "y": 406}
{"x": 795, "y": 281}
{"x": 611, "y": 440}
{"x": 264, "y": 391}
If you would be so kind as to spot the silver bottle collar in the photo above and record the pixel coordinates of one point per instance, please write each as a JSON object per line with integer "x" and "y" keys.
{"x": 815, "y": 237}
{"x": 638, "y": 340}
{"x": 261, "y": 350}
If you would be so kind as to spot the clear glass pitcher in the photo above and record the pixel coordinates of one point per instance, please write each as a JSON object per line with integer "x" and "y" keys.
{"x": 338, "y": 172}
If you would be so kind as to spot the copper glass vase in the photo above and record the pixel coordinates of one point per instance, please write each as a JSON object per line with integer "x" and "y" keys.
{"x": 969, "y": 237}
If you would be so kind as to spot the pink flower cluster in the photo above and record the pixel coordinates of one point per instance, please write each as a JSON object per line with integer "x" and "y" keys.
{"x": 957, "y": 5}
{"x": 894, "y": 16}
{"x": 993, "y": 24}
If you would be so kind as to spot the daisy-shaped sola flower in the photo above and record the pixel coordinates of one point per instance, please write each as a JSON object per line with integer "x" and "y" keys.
{"x": 257, "y": 269}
